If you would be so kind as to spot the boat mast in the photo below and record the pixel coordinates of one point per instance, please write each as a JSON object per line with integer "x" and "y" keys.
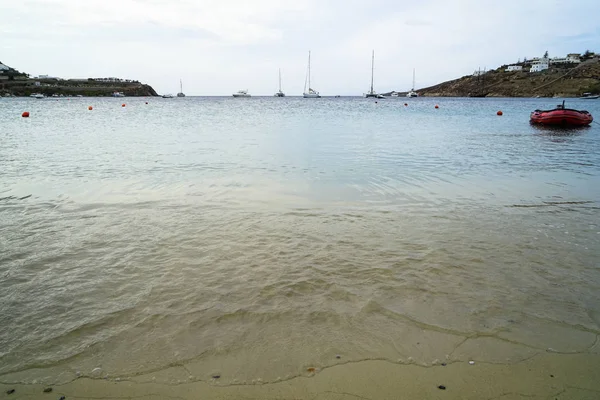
{"x": 413, "y": 87}
{"x": 280, "y": 79}
{"x": 309, "y": 70}
{"x": 180, "y": 86}
{"x": 372, "y": 69}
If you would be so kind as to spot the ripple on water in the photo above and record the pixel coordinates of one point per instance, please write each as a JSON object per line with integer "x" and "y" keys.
{"x": 227, "y": 248}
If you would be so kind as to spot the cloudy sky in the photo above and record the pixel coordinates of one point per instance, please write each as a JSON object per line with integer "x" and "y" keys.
{"x": 220, "y": 46}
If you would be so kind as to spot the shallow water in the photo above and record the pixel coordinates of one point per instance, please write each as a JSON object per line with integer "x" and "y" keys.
{"x": 255, "y": 238}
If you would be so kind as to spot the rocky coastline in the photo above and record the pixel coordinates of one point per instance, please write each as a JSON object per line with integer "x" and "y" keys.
{"x": 557, "y": 81}
{"x": 15, "y": 83}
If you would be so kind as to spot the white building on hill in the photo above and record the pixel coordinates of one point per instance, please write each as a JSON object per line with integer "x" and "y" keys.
{"x": 539, "y": 65}
{"x": 572, "y": 58}
{"x": 512, "y": 68}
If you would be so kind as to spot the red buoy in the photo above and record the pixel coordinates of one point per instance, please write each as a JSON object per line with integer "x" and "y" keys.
{"x": 499, "y": 112}
{"x": 405, "y": 104}
{"x": 90, "y": 108}
{"x": 436, "y": 106}
{"x": 123, "y": 105}
{"x": 146, "y": 102}
{"x": 25, "y": 114}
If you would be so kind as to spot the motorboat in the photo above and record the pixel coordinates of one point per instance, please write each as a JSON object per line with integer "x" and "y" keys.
{"x": 118, "y": 94}
{"x": 561, "y": 116}
{"x": 167, "y": 96}
{"x": 242, "y": 93}
{"x": 37, "y": 95}
{"x": 589, "y": 96}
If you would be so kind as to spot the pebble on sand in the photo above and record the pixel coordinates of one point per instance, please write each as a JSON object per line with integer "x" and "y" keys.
{"x": 444, "y": 364}
{"x": 62, "y": 398}
{"x": 442, "y": 387}
{"x": 310, "y": 369}
{"x": 47, "y": 390}
{"x": 10, "y": 391}
{"x": 216, "y": 376}
{"x": 338, "y": 356}
{"x": 471, "y": 362}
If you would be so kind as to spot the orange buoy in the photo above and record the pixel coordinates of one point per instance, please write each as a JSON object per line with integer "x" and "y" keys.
{"x": 123, "y": 105}
{"x": 25, "y": 114}
{"x": 90, "y": 108}
{"x": 499, "y": 112}
{"x": 436, "y": 106}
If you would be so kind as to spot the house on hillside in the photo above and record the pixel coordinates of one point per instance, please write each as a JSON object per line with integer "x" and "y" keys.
{"x": 540, "y": 64}
{"x": 572, "y": 58}
{"x": 512, "y": 68}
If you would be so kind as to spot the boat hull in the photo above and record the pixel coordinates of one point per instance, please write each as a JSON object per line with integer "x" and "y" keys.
{"x": 311, "y": 96}
{"x": 561, "y": 117}
{"x": 241, "y": 95}
{"x": 373, "y": 95}
{"x": 589, "y": 97}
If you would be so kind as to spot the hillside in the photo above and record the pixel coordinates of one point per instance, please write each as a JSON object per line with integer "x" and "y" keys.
{"x": 15, "y": 83}
{"x": 560, "y": 81}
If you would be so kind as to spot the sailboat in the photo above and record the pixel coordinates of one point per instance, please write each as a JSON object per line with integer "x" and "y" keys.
{"x": 412, "y": 92}
{"x": 311, "y": 93}
{"x": 180, "y": 94}
{"x": 280, "y": 93}
{"x": 372, "y": 92}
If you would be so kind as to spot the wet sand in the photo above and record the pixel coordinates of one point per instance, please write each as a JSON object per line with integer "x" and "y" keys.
{"x": 544, "y": 376}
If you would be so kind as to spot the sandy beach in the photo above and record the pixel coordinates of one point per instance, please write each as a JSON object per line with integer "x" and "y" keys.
{"x": 544, "y": 376}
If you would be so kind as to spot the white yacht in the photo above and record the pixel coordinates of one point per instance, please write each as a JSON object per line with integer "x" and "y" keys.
{"x": 279, "y": 92}
{"x": 118, "y": 94}
{"x": 167, "y": 96}
{"x": 310, "y": 93}
{"x": 394, "y": 94}
{"x": 242, "y": 93}
{"x": 372, "y": 92}
{"x": 37, "y": 95}
{"x": 412, "y": 92}
{"x": 180, "y": 94}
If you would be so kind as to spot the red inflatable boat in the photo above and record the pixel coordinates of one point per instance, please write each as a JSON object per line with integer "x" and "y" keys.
{"x": 561, "y": 116}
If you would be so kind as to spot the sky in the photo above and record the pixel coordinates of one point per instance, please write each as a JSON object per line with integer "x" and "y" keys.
{"x": 220, "y": 46}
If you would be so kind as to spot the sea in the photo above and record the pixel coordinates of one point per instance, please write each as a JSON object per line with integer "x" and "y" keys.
{"x": 259, "y": 239}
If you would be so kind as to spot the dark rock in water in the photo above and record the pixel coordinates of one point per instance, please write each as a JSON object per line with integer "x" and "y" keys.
{"x": 216, "y": 376}
{"x": 444, "y": 364}
{"x": 62, "y": 398}
{"x": 47, "y": 390}
{"x": 10, "y": 391}
{"x": 442, "y": 387}
{"x": 551, "y": 376}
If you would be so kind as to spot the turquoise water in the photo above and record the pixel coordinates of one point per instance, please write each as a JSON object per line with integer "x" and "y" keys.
{"x": 255, "y": 237}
